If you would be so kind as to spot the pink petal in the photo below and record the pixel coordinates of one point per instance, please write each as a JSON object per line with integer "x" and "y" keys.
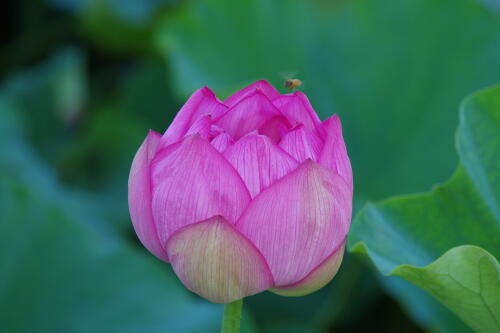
{"x": 298, "y": 110}
{"x": 318, "y": 278}
{"x": 222, "y": 141}
{"x": 201, "y": 126}
{"x": 275, "y": 128}
{"x": 139, "y": 196}
{"x": 261, "y": 85}
{"x": 217, "y": 262}
{"x": 202, "y": 102}
{"x": 216, "y": 130}
{"x": 297, "y": 222}
{"x": 192, "y": 181}
{"x": 248, "y": 115}
{"x": 259, "y": 162}
{"x": 334, "y": 153}
{"x": 302, "y": 144}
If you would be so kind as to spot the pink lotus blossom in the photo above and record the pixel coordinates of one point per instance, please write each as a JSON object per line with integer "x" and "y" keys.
{"x": 245, "y": 195}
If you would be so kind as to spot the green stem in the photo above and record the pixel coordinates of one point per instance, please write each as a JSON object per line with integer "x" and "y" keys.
{"x": 232, "y": 316}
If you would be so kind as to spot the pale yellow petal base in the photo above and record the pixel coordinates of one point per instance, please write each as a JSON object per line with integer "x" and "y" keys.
{"x": 216, "y": 262}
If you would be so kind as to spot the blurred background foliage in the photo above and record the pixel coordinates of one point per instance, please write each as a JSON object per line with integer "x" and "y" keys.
{"x": 83, "y": 80}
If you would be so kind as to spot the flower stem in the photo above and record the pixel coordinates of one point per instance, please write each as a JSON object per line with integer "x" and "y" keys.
{"x": 232, "y": 316}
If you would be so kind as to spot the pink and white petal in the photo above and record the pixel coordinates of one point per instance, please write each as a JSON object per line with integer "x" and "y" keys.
{"x": 262, "y": 85}
{"x": 217, "y": 262}
{"x": 302, "y": 144}
{"x": 222, "y": 141}
{"x": 192, "y": 181}
{"x": 298, "y": 110}
{"x": 259, "y": 162}
{"x": 140, "y": 196}
{"x": 248, "y": 115}
{"x": 297, "y": 222}
{"x": 334, "y": 153}
{"x": 275, "y": 128}
{"x": 202, "y": 102}
{"x": 317, "y": 279}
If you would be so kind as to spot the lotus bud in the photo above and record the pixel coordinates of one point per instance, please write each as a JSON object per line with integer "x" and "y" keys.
{"x": 250, "y": 194}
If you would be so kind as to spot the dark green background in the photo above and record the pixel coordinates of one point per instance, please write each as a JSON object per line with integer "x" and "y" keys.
{"x": 83, "y": 80}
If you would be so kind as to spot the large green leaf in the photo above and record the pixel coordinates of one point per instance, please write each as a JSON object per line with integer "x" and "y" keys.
{"x": 394, "y": 71}
{"x": 62, "y": 271}
{"x": 405, "y": 233}
{"x": 467, "y": 280}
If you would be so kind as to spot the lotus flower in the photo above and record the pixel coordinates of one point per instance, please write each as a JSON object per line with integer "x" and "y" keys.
{"x": 245, "y": 195}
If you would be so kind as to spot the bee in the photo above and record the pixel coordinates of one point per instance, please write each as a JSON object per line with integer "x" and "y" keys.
{"x": 292, "y": 83}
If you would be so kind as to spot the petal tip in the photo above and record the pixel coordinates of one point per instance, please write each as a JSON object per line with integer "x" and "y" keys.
{"x": 263, "y": 81}
{"x": 207, "y": 92}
